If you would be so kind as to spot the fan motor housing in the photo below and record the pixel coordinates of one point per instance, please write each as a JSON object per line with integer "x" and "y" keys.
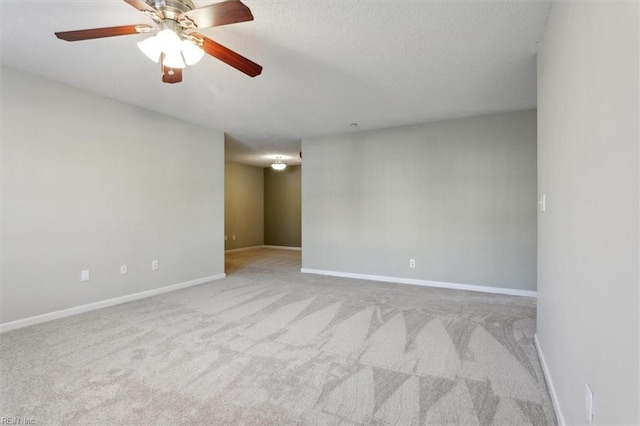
{"x": 171, "y": 9}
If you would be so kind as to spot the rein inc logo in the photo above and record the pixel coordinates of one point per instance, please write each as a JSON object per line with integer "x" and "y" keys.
{"x": 17, "y": 421}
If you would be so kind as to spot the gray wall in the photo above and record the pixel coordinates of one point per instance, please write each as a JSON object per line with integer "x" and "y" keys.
{"x": 243, "y": 205}
{"x": 588, "y": 288}
{"x": 282, "y": 207}
{"x": 91, "y": 183}
{"x": 458, "y": 196}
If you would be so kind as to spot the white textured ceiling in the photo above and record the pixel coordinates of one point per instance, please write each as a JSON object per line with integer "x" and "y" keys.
{"x": 327, "y": 64}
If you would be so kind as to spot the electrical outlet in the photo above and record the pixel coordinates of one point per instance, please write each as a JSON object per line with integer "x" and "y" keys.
{"x": 412, "y": 263}
{"x": 588, "y": 405}
{"x": 542, "y": 203}
{"x": 84, "y": 275}
{"x": 225, "y": 238}
{"x": 123, "y": 269}
{"x": 155, "y": 265}
{"x": 233, "y": 237}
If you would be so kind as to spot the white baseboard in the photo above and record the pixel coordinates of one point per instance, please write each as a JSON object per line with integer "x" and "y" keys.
{"x": 547, "y": 377}
{"x": 263, "y": 246}
{"x": 426, "y": 283}
{"x": 243, "y": 249}
{"x": 284, "y": 248}
{"x": 25, "y": 322}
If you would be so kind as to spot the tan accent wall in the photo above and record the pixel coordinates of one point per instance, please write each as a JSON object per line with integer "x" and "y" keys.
{"x": 282, "y": 207}
{"x": 244, "y": 205}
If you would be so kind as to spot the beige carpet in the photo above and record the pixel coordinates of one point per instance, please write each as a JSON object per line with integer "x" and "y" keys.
{"x": 271, "y": 346}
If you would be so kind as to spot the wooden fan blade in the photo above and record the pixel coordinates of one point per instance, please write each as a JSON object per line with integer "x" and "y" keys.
{"x": 226, "y": 12}
{"x": 144, "y": 7}
{"x": 229, "y": 57}
{"x": 103, "y": 32}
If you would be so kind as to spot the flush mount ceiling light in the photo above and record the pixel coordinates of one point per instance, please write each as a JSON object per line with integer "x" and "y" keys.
{"x": 278, "y": 165}
{"x": 177, "y": 44}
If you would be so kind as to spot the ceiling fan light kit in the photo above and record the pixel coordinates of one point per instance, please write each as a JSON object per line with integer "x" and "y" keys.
{"x": 191, "y": 52}
{"x": 179, "y": 50}
{"x": 278, "y": 165}
{"x": 176, "y": 44}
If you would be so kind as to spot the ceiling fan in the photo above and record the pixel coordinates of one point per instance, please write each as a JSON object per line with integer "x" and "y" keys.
{"x": 177, "y": 44}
